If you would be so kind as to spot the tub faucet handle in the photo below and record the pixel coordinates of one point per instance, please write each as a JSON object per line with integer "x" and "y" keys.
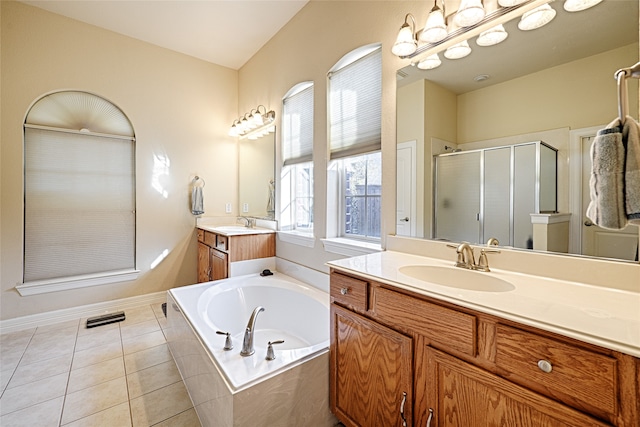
{"x": 228, "y": 345}
{"x": 270, "y": 353}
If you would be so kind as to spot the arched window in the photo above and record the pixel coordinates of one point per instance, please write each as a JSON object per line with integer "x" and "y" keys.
{"x": 79, "y": 193}
{"x": 296, "y": 178}
{"x": 355, "y": 115}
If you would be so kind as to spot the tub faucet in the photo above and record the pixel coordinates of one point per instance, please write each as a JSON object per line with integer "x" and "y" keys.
{"x": 247, "y": 342}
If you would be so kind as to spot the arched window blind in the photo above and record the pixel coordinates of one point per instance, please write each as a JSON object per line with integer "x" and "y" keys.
{"x": 355, "y": 106}
{"x": 297, "y": 126}
{"x": 79, "y": 190}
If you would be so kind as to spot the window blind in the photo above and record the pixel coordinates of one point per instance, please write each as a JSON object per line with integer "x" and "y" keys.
{"x": 79, "y": 204}
{"x": 297, "y": 127}
{"x": 355, "y": 106}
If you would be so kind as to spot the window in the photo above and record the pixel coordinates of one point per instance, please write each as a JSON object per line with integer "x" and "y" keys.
{"x": 355, "y": 109}
{"x": 296, "y": 212}
{"x": 79, "y": 194}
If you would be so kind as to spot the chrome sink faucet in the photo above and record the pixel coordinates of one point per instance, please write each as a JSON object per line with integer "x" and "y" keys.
{"x": 247, "y": 342}
{"x": 248, "y": 222}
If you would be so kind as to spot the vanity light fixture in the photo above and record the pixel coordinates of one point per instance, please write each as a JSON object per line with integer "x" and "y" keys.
{"x": 442, "y": 34}
{"x": 254, "y": 124}
{"x": 578, "y": 5}
{"x": 406, "y": 42}
{"x": 536, "y": 18}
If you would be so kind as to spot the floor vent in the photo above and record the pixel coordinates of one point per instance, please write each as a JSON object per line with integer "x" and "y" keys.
{"x": 105, "y": 319}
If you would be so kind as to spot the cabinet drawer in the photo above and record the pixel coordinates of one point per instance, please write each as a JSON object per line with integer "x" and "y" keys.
{"x": 349, "y": 291}
{"x": 210, "y": 239}
{"x": 222, "y": 243}
{"x": 448, "y": 328}
{"x": 200, "y": 235}
{"x": 576, "y": 376}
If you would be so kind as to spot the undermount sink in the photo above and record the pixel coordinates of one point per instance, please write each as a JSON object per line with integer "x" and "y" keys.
{"x": 455, "y": 277}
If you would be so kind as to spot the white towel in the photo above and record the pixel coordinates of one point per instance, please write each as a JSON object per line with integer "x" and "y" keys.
{"x": 631, "y": 142}
{"x": 607, "y": 208}
{"x": 197, "y": 202}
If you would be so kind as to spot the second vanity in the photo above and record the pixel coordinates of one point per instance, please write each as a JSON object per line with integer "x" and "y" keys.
{"x": 222, "y": 247}
{"x": 418, "y": 342}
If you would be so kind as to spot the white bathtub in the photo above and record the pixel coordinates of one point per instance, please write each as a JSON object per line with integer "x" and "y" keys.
{"x": 228, "y": 389}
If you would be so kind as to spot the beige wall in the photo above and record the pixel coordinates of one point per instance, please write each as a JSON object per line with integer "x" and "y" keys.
{"x": 578, "y": 94}
{"x": 180, "y": 108}
{"x": 304, "y": 50}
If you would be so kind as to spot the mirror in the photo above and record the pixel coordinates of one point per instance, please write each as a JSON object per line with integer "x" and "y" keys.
{"x": 554, "y": 84}
{"x": 256, "y": 169}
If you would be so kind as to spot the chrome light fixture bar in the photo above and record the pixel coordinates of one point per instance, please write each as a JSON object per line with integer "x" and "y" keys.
{"x": 498, "y": 17}
{"x": 254, "y": 124}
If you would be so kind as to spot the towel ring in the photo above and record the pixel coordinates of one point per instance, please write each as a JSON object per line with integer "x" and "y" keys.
{"x": 196, "y": 179}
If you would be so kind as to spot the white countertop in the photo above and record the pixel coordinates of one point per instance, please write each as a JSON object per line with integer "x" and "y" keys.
{"x": 606, "y": 317}
{"x": 234, "y": 230}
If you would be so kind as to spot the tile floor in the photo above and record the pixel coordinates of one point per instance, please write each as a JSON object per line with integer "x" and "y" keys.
{"x": 115, "y": 375}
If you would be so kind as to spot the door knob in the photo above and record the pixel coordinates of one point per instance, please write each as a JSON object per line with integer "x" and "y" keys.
{"x": 405, "y": 219}
{"x": 588, "y": 223}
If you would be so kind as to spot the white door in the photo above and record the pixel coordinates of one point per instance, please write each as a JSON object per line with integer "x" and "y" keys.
{"x": 598, "y": 241}
{"x": 406, "y": 189}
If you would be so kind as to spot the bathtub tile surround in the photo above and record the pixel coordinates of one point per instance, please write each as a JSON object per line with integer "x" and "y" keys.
{"x": 120, "y": 374}
{"x": 229, "y": 390}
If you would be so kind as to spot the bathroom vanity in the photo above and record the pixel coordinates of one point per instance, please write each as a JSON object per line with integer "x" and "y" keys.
{"x": 220, "y": 246}
{"x": 408, "y": 349}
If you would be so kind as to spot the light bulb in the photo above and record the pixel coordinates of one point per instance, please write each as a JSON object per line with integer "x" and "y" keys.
{"x": 405, "y": 43}
{"x": 458, "y": 51}
{"x": 492, "y": 36}
{"x": 469, "y": 13}
{"x": 430, "y": 62}
{"x": 536, "y": 18}
{"x": 435, "y": 28}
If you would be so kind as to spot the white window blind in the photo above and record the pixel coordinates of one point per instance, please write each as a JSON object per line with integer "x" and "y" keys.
{"x": 355, "y": 108}
{"x": 79, "y": 204}
{"x": 297, "y": 127}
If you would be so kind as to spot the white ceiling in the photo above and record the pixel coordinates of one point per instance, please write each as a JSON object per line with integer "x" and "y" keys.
{"x": 224, "y": 32}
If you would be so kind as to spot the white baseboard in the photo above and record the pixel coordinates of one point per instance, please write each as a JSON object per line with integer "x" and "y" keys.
{"x": 73, "y": 313}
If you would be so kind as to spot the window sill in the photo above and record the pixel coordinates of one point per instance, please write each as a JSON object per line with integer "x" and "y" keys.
{"x": 67, "y": 283}
{"x": 297, "y": 238}
{"x": 349, "y": 247}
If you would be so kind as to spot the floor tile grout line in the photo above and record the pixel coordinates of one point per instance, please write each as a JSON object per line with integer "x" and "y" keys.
{"x": 6, "y": 387}
{"x": 66, "y": 389}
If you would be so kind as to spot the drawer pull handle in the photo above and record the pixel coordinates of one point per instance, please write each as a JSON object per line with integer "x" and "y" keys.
{"x": 545, "y": 366}
{"x": 404, "y": 400}
{"x": 430, "y": 418}
{"x": 344, "y": 291}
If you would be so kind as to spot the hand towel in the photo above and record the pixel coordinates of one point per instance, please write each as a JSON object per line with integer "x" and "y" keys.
{"x": 607, "y": 206}
{"x": 631, "y": 142}
{"x": 197, "y": 202}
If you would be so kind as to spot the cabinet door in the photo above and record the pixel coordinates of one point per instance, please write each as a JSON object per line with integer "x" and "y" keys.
{"x": 463, "y": 395}
{"x": 204, "y": 263}
{"x": 219, "y": 265}
{"x": 371, "y": 372}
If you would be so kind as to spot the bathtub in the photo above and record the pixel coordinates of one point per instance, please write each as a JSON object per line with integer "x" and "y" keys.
{"x": 228, "y": 389}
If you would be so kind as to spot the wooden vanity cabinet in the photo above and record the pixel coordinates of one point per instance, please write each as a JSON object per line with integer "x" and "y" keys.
{"x": 217, "y": 251}
{"x": 468, "y": 369}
